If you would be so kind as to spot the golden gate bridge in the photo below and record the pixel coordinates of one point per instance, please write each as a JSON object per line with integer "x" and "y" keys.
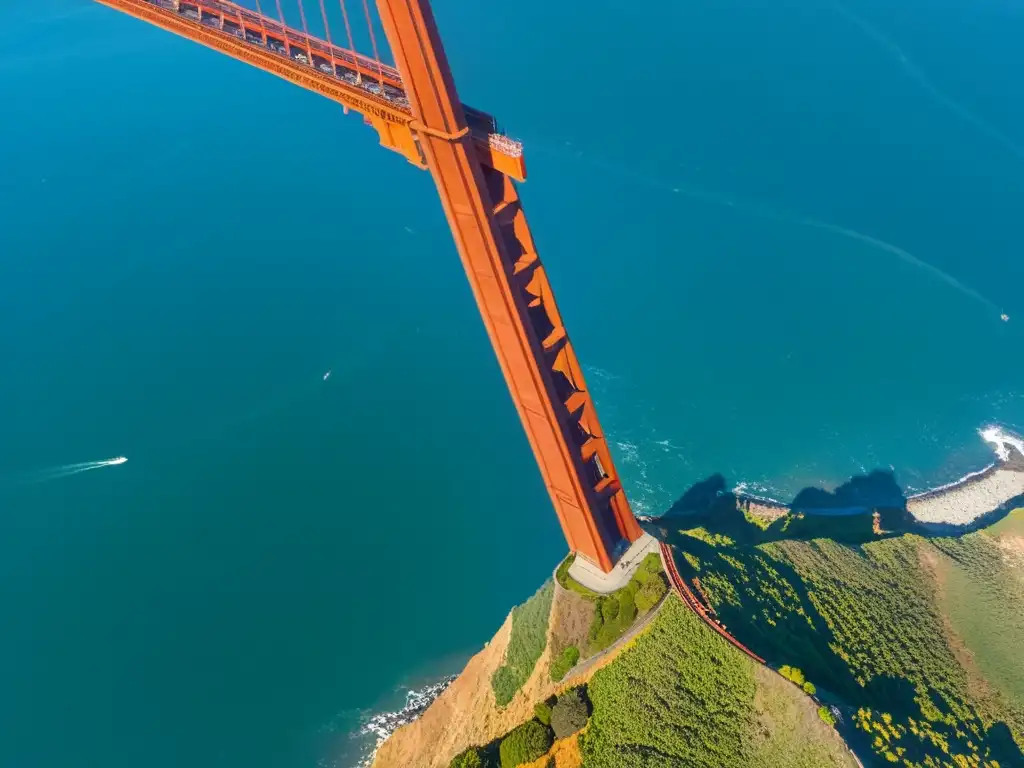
{"x": 416, "y": 112}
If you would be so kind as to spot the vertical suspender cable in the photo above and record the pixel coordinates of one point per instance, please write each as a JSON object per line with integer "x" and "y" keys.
{"x": 373, "y": 42}
{"x": 284, "y": 30}
{"x": 351, "y": 43}
{"x": 327, "y": 32}
{"x": 263, "y": 26}
{"x": 305, "y": 31}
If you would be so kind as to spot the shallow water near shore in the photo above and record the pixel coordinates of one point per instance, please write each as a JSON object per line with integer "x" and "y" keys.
{"x": 784, "y": 262}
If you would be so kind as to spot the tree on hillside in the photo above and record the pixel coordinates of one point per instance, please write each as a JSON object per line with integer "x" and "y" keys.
{"x": 525, "y": 744}
{"x": 569, "y": 714}
{"x": 468, "y": 759}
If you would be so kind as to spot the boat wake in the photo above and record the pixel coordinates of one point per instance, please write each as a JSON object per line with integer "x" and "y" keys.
{"x": 36, "y": 477}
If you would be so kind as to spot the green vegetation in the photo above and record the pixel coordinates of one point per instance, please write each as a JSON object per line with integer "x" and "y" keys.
{"x": 659, "y": 691}
{"x": 529, "y": 636}
{"x": 879, "y": 621}
{"x": 614, "y": 615}
{"x": 569, "y": 714}
{"x": 712, "y": 539}
{"x": 542, "y": 712}
{"x": 525, "y": 744}
{"x": 826, "y": 716}
{"x": 471, "y": 758}
{"x": 985, "y": 603}
{"x": 761, "y": 522}
{"x": 566, "y": 661}
{"x": 682, "y": 696}
{"x": 568, "y": 582}
{"x": 616, "y": 612}
{"x": 652, "y": 584}
{"x": 809, "y": 688}
{"x": 793, "y": 674}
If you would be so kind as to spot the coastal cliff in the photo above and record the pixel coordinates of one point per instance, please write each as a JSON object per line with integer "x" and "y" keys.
{"x": 801, "y": 586}
{"x": 467, "y": 713}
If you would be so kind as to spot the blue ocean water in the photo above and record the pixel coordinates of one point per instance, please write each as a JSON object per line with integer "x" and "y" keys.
{"x": 781, "y": 235}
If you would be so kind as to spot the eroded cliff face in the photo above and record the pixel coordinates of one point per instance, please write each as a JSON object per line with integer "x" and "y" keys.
{"x": 466, "y": 714}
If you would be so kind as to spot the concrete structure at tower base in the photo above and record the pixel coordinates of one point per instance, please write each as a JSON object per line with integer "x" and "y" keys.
{"x": 592, "y": 577}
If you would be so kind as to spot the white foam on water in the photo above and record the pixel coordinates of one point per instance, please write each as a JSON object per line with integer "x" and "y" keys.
{"x": 382, "y": 724}
{"x": 56, "y": 473}
{"x": 1002, "y": 440}
{"x": 757, "y": 492}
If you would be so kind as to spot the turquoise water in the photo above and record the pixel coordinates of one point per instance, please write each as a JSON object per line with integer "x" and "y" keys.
{"x": 781, "y": 236}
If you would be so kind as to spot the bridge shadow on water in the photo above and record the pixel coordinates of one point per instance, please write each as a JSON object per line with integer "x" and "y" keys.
{"x": 782, "y": 576}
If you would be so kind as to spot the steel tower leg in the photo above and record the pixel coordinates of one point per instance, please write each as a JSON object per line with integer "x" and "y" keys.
{"x": 514, "y": 297}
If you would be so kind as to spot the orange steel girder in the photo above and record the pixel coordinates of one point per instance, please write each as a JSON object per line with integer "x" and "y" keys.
{"x": 514, "y": 297}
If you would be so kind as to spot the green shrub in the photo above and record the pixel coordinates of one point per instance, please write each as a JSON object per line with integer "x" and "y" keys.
{"x": 566, "y": 661}
{"x": 809, "y": 688}
{"x": 562, "y": 572}
{"x": 542, "y": 712}
{"x": 525, "y": 744}
{"x": 651, "y": 563}
{"x": 568, "y": 582}
{"x": 529, "y": 636}
{"x": 650, "y": 592}
{"x": 468, "y": 759}
{"x": 793, "y": 674}
{"x": 569, "y": 714}
{"x": 627, "y": 607}
{"x": 505, "y": 682}
{"x": 826, "y": 715}
{"x": 649, "y": 568}
{"x": 616, "y": 612}
{"x": 609, "y": 608}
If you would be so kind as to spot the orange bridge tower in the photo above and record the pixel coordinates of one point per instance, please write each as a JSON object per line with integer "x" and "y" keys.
{"x": 515, "y": 298}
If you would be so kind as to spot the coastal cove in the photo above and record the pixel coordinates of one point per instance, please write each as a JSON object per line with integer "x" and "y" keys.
{"x": 976, "y": 501}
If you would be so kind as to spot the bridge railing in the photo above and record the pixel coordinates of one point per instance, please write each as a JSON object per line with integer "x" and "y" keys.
{"x": 684, "y": 592}
{"x": 232, "y": 12}
{"x": 362, "y": 69}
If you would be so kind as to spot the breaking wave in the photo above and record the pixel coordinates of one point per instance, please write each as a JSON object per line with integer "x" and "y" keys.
{"x": 375, "y": 728}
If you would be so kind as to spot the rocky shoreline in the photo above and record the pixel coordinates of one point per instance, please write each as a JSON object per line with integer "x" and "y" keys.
{"x": 383, "y": 724}
{"x": 965, "y": 503}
